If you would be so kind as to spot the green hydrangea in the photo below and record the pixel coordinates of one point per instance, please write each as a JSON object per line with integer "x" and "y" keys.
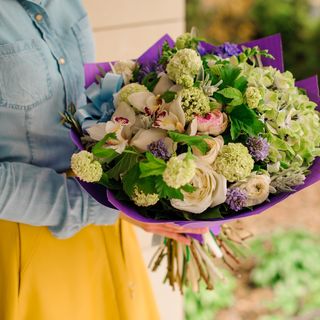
{"x": 85, "y": 167}
{"x": 179, "y": 171}
{"x": 253, "y": 97}
{"x": 194, "y": 102}
{"x": 125, "y": 92}
{"x": 184, "y": 66}
{"x": 142, "y": 199}
{"x": 234, "y": 162}
{"x": 291, "y": 122}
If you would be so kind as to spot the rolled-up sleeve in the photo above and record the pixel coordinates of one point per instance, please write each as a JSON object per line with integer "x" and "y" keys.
{"x": 41, "y": 197}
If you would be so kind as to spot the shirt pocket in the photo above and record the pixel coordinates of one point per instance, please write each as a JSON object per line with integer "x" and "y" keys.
{"x": 83, "y": 34}
{"x": 24, "y": 76}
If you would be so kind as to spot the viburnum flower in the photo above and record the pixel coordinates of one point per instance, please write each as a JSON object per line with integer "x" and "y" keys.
{"x": 194, "y": 103}
{"x": 184, "y": 66}
{"x": 253, "y": 97}
{"x": 85, "y": 167}
{"x": 236, "y": 198}
{"x": 179, "y": 171}
{"x": 258, "y": 148}
{"x": 186, "y": 40}
{"x": 234, "y": 162}
{"x": 127, "y": 90}
{"x": 124, "y": 68}
{"x": 256, "y": 186}
{"x": 210, "y": 190}
{"x": 142, "y": 199}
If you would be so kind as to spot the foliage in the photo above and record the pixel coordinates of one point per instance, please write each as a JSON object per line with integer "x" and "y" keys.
{"x": 297, "y": 21}
{"x": 286, "y": 262}
{"x": 205, "y": 304}
{"x": 289, "y": 263}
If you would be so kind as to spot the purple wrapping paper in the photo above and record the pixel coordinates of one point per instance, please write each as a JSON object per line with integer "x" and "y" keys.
{"x": 273, "y": 44}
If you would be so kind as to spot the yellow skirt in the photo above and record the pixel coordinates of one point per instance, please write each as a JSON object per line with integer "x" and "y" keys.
{"x": 98, "y": 274}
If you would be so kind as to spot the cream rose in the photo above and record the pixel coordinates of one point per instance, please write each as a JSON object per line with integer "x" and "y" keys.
{"x": 256, "y": 187}
{"x": 211, "y": 189}
{"x": 215, "y": 145}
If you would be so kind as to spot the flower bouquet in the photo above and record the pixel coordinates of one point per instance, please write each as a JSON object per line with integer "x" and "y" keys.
{"x": 197, "y": 135}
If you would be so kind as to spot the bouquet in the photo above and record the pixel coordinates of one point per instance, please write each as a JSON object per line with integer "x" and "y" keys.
{"x": 197, "y": 135}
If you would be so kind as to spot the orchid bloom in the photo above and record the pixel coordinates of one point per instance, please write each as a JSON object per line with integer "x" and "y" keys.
{"x": 145, "y": 102}
{"x": 171, "y": 117}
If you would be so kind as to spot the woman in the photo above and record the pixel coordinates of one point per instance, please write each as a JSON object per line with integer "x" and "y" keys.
{"x": 96, "y": 272}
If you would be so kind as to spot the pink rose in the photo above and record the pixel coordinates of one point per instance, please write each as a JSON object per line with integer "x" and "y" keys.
{"x": 213, "y": 123}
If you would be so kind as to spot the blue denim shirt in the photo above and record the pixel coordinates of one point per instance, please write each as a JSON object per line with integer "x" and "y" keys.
{"x": 43, "y": 45}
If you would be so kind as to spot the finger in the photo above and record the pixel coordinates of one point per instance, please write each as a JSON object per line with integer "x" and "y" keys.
{"x": 195, "y": 230}
{"x": 182, "y": 229}
{"x": 180, "y": 238}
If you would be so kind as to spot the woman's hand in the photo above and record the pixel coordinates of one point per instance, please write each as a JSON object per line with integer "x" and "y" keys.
{"x": 169, "y": 230}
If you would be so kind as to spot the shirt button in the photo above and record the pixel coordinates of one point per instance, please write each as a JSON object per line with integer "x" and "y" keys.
{"x": 62, "y": 61}
{"x": 38, "y": 17}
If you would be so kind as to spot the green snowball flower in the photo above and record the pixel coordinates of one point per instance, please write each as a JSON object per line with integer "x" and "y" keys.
{"x": 194, "y": 102}
{"x": 125, "y": 92}
{"x": 179, "y": 171}
{"x": 142, "y": 199}
{"x": 85, "y": 167}
{"x": 184, "y": 66}
{"x": 253, "y": 97}
{"x": 234, "y": 162}
{"x": 186, "y": 40}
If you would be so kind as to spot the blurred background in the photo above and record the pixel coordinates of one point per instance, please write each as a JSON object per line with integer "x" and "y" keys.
{"x": 280, "y": 279}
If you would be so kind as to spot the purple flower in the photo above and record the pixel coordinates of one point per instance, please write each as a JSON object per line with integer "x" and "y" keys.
{"x": 258, "y": 148}
{"x": 236, "y": 198}
{"x": 227, "y": 50}
{"x": 204, "y": 49}
{"x": 153, "y": 66}
{"x": 159, "y": 149}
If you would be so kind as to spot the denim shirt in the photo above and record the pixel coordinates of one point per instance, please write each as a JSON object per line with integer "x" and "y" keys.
{"x": 43, "y": 46}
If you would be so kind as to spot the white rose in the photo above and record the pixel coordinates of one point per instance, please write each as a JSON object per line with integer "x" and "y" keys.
{"x": 256, "y": 187}
{"x": 211, "y": 189}
{"x": 215, "y": 145}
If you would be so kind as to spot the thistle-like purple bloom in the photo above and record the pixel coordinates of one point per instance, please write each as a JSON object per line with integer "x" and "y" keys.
{"x": 153, "y": 66}
{"x": 258, "y": 148}
{"x": 236, "y": 198}
{"x": 227, "y": 50}
{"x": 159, "y": 150}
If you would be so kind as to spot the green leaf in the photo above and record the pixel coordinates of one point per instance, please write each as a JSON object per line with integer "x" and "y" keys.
{"x": 229, "y": 74}
{"x": 152, "y": 166}
{"x": 241, "y": 84}
{"x": 168, "y": 96}
{"x": 127, "y": 161}
{"x": 166, "y": 192}
{"x": 130, "y": 178}
{"x": 150, "y": 80}
{"x": 244, "y": 120}
{"x": 188, "y": 188}
{"x": 98, "y": 146}
{"x": 107, "y": 153}
{"x": 234, "y": 94}
{"x": 104, "y": 180}
{"x": 197, "y": 141}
